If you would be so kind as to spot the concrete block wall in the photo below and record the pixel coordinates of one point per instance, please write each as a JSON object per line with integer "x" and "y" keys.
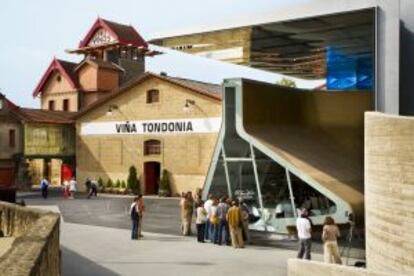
{"x": 298, "y": 267}
{"x": 36, "y": 249}
{"x": 389, "y": 192}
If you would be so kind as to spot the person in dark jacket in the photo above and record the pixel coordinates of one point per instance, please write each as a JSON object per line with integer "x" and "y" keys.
{"x": 134, "y": 211}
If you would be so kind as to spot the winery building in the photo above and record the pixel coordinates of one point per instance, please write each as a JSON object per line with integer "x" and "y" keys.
{"x": 155, "y": 122}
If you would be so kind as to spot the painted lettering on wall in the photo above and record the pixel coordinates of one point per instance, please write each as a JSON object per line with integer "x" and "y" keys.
{"x": 164, "y": 127}
{"x": 155, "y": 127}
{"x": 126, "y": 128}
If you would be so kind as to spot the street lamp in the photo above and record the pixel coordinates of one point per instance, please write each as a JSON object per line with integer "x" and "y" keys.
{"x": 188, "y": 104}
{"x": 111, "y": 109}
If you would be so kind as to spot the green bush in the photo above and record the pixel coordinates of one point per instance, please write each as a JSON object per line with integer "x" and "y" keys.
{"x": 118, "y": 183}
{"x": 123, "y": 184}
{"x": 109, "y": 184}
{"x": 164, "y": 189}
{"x": 133, "y": 182}
{"x": 100, "y": 182}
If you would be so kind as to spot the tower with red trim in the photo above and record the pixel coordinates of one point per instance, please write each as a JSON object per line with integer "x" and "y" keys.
{"x": 113, "y": 53}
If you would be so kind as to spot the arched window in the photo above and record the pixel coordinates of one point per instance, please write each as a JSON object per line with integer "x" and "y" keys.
{"x": 153, "y": 96}
{"x": 152, "y": 147}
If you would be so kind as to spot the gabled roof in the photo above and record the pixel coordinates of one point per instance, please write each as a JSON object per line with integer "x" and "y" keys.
{"x": 65, "y": 68}
{"x": 207, "y": 89}
{"x": 7, "y": 103}
{"x": 45, "y": 116}
{"x": 100, "y": 63}
{"x": 123, "y": 33}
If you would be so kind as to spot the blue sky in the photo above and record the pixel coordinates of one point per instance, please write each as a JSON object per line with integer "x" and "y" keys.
{"x": 33, "y": 32}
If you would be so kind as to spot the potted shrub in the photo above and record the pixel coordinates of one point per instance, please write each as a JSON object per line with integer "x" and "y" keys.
{"x": 123, "y": 188}
{"x": 109, "y": 185}
{"x": 117, "y": 186}
{"x": 133, "y": 182}
{"x": 101, "y": 185}
{"x": 164, "y": 188}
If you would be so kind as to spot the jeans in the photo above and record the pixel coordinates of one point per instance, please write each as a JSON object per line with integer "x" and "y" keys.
{"x": 44, "y": 193}
{"x": 200, "y": 232}
{"x": 223, "y": 226}
{"x": 213, "y": 232}
{"x": 134, "y": 233}
{"x": 304, "y": 249}
{"x": 207, "y": 230}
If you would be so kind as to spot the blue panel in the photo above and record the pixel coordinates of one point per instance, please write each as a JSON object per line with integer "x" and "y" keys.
{"x": 347, "y": 71}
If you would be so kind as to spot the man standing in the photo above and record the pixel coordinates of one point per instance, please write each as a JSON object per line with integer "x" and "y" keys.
{"x": 187, "y": 213}
{"x": 134, "y": 219}
{"x": 234, "y": 220}
{"x": 304, "y": 228}
{"x": 207, "y": 207}
{"x": 44, "y": 186}
{"x": 141, "y": 210}
{"x": 222, "y": 210}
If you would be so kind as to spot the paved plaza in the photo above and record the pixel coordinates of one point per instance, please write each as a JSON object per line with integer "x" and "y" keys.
{"x": 95, "y": 240}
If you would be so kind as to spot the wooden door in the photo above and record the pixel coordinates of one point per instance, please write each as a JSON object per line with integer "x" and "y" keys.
{"x": 6, "y": 177}
{"x": 152, "y": 177}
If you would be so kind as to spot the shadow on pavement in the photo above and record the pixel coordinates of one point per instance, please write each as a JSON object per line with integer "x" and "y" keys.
{"x": 75, "y": 264}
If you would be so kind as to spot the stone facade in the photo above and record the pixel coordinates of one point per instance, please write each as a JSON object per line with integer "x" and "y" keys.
{"x": 185, "y": 156}
{"x": 389, "y": 192}
{"x": 58, "y": 89}
{"x": 36, "y": 248}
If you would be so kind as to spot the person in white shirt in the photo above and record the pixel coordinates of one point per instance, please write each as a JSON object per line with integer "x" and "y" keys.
{"x": 304, "y": 228}
{"x": 72, "y": 187}
{"x": 207, "y": 208}
{"x": 201, "y": 219}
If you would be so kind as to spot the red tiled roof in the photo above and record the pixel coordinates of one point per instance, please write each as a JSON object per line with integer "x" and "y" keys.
{"x": 65, "y": 68}
{"x": 45, "y": 116}
{"x": 206, "y": 89}
{"x": 123, "y": 33}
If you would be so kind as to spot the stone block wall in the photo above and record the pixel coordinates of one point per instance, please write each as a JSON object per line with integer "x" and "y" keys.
{"x": 298, "y": 267}
{"x": 35, "y": 250}
{"x": 389, "y": 192}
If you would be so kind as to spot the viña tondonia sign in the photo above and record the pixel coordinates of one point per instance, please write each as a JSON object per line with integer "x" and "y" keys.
{"x": 157, "y": 127}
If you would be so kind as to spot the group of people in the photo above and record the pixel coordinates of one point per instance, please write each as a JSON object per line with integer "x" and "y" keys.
{"x": 330, "y": 234}
{"x": 219, "y": 220}
{"x": 137, "y": 210}
{"x": 69, "y": 188}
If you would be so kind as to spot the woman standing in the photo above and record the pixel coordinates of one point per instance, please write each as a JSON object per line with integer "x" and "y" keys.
{"x": 330, "y": 245}
{"x": 201, "y": 221}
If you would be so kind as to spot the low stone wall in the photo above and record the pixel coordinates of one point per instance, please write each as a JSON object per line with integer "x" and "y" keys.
{"x": 389, "y": 192}
{"x": 36, "y": 249}
{"x": 298, "y": 267}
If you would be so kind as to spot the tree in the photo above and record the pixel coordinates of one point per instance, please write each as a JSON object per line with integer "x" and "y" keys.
{"x": 133, "y": 182}
{"x": 109, "y": 184}
{"x": 118, "y": 183}
{"x": 100, "y": 182}
{"x": 123, "y": 184}
{"x": 164, "y": 189}
{"x": 286, "y": 82}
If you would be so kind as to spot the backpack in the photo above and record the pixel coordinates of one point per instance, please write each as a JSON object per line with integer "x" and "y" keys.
{"x": 134, "y": 213}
